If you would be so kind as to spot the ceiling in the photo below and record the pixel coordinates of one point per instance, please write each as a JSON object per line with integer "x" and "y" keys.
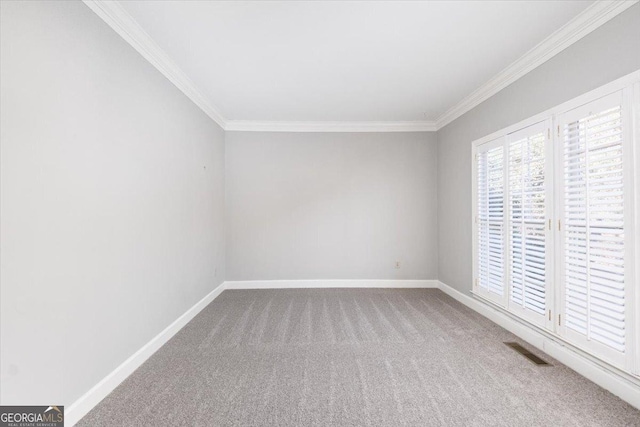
{"x": 345, "y": 61}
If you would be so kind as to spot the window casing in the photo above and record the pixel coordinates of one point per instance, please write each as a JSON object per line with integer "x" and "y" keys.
{"x": 555, "y": 222}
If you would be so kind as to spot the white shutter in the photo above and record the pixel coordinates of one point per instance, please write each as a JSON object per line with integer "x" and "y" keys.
{"x": 490, "y": 222}
{"x": 556, "y": 204}
{"x": 593, "y": 222}
{"x": 528, "y": 243}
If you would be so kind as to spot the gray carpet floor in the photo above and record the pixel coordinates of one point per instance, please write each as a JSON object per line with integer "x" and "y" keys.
{"x": 351, "y": 357}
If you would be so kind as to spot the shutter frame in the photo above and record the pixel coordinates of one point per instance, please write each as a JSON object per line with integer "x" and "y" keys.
{"x": 592, "y": 256}
{"x": 530, "y": 295}
{"x": 629, "y": 86}
{"x": 489, "y": 221}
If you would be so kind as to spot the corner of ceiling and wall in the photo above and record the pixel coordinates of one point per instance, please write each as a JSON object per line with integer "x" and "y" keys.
{"x": 600, "y": 12}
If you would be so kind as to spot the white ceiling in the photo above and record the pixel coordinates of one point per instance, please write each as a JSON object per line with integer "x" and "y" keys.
{"x": 345, "y": 61}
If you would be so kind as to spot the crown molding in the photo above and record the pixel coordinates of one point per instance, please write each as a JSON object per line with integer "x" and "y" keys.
{"x": 591, "y": 18}
{"x": 584, "y": 23}
{"x": 122, "y": 23}
{"x": 301, "y": 126}
{"x": 126, "y": 26}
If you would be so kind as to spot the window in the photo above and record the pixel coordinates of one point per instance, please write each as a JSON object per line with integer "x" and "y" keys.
{"x": 529, "y": 240}
{"x": 491, "y": 222}
{"x": 593, "y": 236}
{"x": 555, "y": 224}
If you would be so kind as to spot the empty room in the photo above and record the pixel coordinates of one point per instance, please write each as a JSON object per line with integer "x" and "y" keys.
{"x": 319, "y": 213}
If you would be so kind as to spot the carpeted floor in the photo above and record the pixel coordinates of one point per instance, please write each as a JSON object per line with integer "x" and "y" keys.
{"x": 351, "y": 357}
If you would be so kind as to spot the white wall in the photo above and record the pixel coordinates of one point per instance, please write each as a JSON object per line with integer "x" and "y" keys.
{"x": 331, "y": 205}
{"x": 606, "y": 54}
{"x": 112, "y": 193}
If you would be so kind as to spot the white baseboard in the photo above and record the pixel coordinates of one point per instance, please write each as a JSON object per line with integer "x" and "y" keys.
{"x": 623, "y": 385}
{"x": 310, "y": 284}
{"x": 84, "y": 404}
{"x": 91, "y": 398}
{"x": 619, "y": 383}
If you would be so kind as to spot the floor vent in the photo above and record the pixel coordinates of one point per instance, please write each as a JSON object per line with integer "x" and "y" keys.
{"x": 526, "y": 353}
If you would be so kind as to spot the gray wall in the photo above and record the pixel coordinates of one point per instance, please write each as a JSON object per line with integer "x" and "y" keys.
{"x": 611, "y": 51}
{"x": 112, "y": 193}
{"x": 331, "y": 205}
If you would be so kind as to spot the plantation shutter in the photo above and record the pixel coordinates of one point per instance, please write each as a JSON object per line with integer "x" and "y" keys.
{"x": 594, "y": 225}
{"x": 490, "y": 221}
{"x": 527, "y": 249}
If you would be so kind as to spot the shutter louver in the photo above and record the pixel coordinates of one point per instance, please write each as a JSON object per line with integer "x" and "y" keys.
{"x": 527, "y": 222}
{"x": 557, "y": 222}
{"x": 491, "y": 220}
{"x": 594, "y": 227}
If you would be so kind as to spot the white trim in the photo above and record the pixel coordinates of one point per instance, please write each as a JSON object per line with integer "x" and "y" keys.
{"x": 122, "y": 23}
{"x": 585, "y": 98}
{"x": 618, "y": 382}
{"x": 91, "y": 398}
{"x": 126, "y": 26}
{"x": 623, "y": 359}
{"x": 623, "y": 385}
{"x": 590, "y": 19}
{"x": 555, "y": 303}
{"x": 599, "y": 92}
{"x": 311, "y": 284}
{"x": 273, "y": 126}
{"x": 635, "y": 125}
{"x": 541, "y": 319}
